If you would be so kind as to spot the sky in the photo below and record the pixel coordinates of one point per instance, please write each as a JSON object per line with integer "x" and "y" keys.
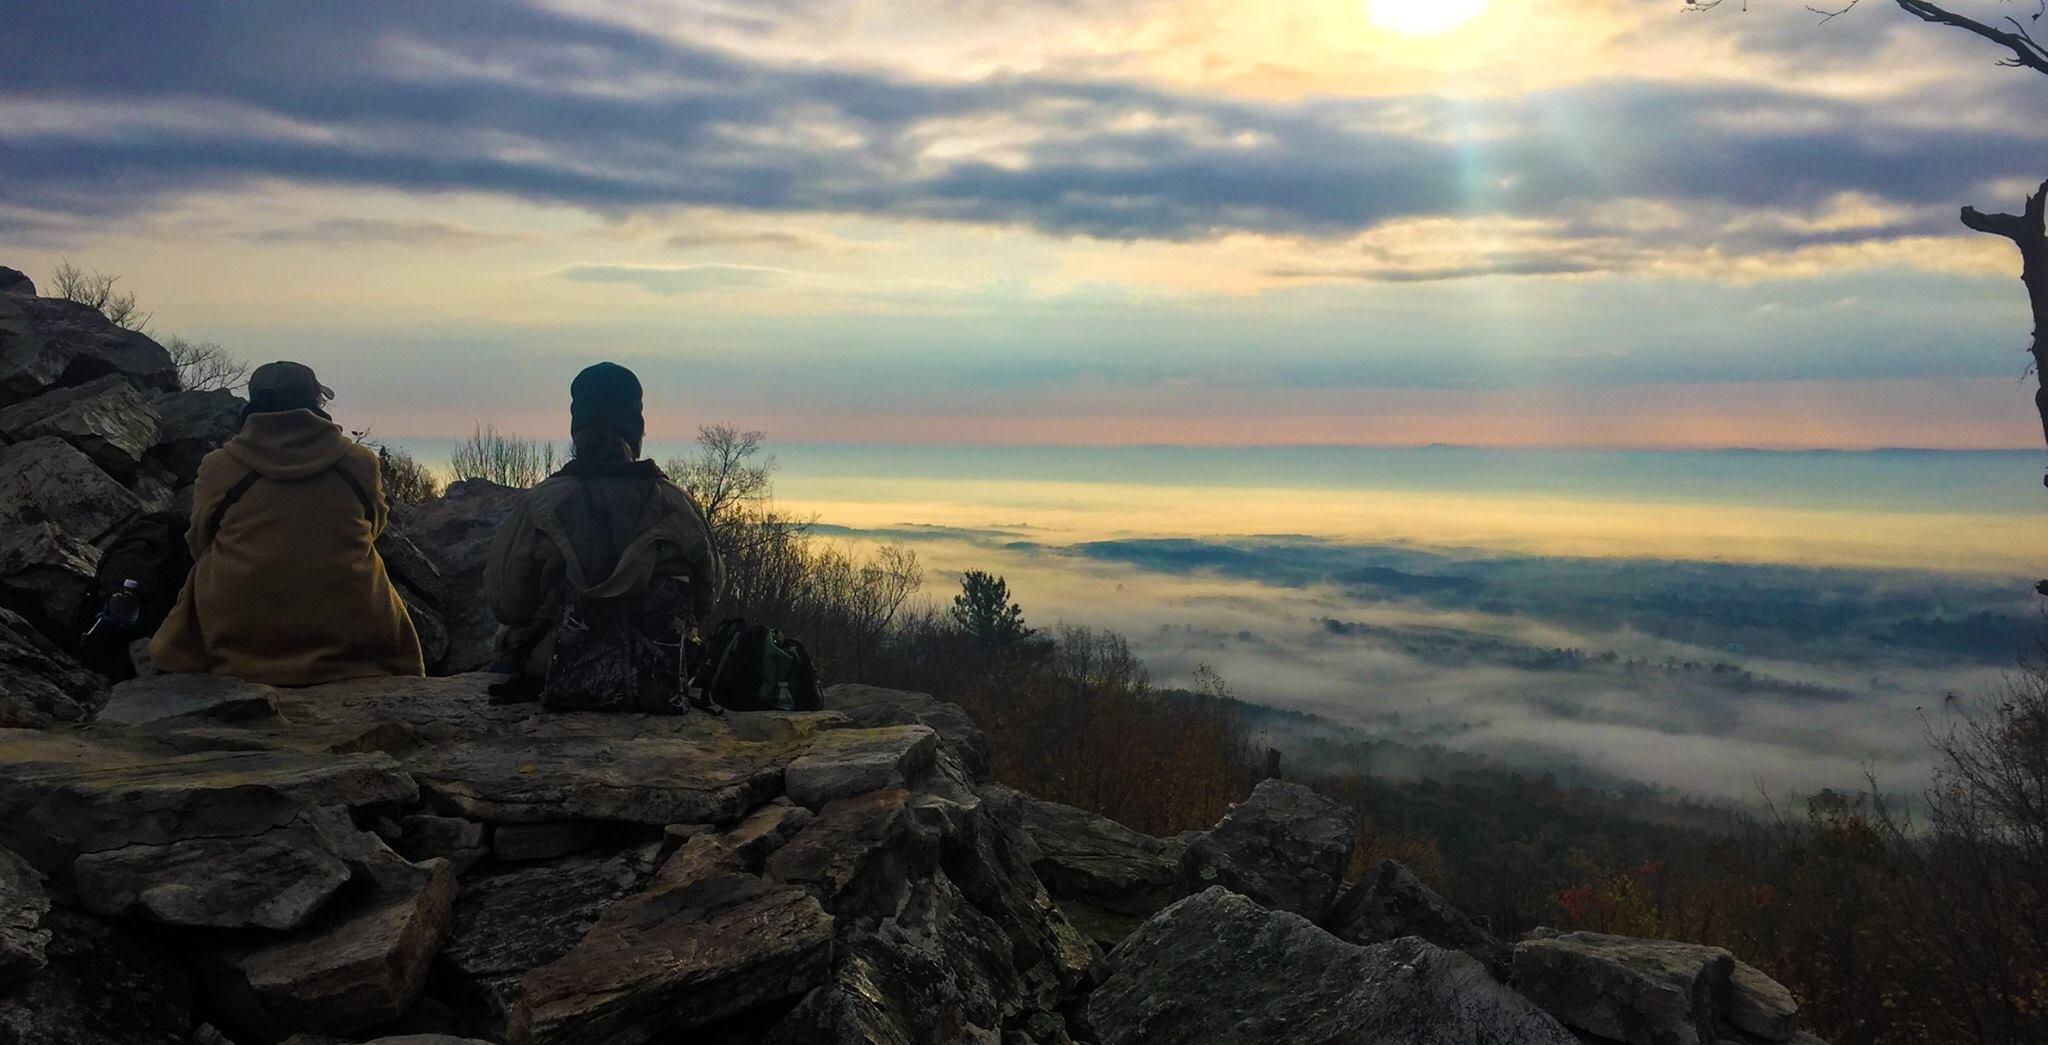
{"x": 1595, "y": 223}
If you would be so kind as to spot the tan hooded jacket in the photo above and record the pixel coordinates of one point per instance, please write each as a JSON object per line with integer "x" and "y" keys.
{"x": 291, "y": 591}
{"x": 601, "y": 530}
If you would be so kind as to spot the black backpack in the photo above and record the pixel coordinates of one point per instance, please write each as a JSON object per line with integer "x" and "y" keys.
{"x": 749, "y": 666}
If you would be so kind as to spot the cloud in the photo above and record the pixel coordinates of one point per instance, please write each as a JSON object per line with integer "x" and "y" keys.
{"x": 545, "y": 106}
{"x": 379, "y": 230}
{"x": 681, "y": 279}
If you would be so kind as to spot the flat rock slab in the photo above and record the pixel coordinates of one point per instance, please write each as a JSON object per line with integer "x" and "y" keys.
{"x": 165, "y": 698}
{"x": 706, "y": 941}
{"x": 842, "y": 763}
{"x": 23, "y": 903}
{"x": 1219, "y": 969}
{"x": 869, "y": 706}
{"x": 365, "y": 969}
{"x": 275, "y": 880}
{"x": 644, "y": 780}
{"x": 66, "y": 794}
{"x": 49, "y": 480}
{"x": 1285, "y": 846}
{"x": 1644, "y": 992}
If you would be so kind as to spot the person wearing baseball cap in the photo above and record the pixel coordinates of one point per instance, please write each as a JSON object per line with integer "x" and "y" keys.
{"x": 286, "y": 586}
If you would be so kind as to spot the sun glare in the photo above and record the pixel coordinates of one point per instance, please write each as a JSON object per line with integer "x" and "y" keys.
{"x": 1422, "y": 17}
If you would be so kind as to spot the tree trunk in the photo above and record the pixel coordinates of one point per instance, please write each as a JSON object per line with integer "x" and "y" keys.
{"x": 2027, "y": 232}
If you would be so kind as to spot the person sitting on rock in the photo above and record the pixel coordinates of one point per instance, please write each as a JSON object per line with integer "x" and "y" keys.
{"x": 286, "y": 586}
{"x": 600, "y": 572}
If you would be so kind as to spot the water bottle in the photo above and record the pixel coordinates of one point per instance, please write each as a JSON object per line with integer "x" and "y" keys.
{"x": 124, "y": 607}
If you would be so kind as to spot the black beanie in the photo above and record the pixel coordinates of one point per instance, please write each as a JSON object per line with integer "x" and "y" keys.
{"x": 607, "y": 394}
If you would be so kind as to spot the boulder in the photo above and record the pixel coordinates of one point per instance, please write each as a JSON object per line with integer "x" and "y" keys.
{"x": 14, "y": 281}
{"x": 168, "y": 698}
{"x": 364, "y": 969}
{"x": 945, "y": 935}
{"x": 103, "y": 986}
{"x": 62, "y": 795}
{"x": 846, "y": 762}
{"x": 521, "y": 843}
{"x": 454, "y": 530}
{"x": 1390, "y": 902}
{"x": 50, "y": 342}
{"x": 190, "y": 426}
{"x": 39, "y": 683}
{"x": 1285, "y": 847}
{"x": 870, "y": 706}
{"x": 54, "y": 503}
{"x": 1645, "y": 992}
{"x": 1106, "y": 877}
{"x": 704, "y": 942}
{"x": 1760, "y": 1006}
{"x": 108, "y": 420}
{"x": 1220, "y": 969}
{"x": 506, "y": 925}
{"x": 765, "y": 830}
{"x": 23, "y": 905}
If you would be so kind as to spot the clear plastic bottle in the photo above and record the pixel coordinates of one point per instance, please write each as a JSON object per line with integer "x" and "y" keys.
{"x": 124, "y": 607}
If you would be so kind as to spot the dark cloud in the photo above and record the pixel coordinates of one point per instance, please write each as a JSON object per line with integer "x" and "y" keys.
{"x": 467, "y": 96}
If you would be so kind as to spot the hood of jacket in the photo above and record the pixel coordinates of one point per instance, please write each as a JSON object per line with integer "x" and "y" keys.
{"x": 289, "y": 444}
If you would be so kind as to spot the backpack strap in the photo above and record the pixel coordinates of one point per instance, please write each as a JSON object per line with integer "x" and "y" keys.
{"x": 242, "y": 485}
{"x": 227, "y": 501}
{"x": 362, "y": 495}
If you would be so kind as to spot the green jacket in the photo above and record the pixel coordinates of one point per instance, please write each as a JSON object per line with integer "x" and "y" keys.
{"x": 602, "y": 530}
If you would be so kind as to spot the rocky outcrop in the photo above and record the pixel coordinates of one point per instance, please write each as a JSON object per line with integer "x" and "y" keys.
{"x": 1652, "y": 992}
{"x": 533, "y": 877}
{"x": 1285, "y": 847}
{"x": 1390, "y": 902}
{"x": 1106, "y": 877}
{"x": 49, "y": 343}
{"x": 1222, "y": 970}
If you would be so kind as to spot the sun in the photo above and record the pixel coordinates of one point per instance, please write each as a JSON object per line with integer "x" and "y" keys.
{"x": 1422, "y": 17}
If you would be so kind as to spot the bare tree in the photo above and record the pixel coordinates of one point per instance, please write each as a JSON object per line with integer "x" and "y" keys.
{"x": 204, "y": 366}
{"x": 2024, "y": 229}
{"x": 96, "y": 290}
{"x": 728, "y": 470}
{"x": 507, "y": 460}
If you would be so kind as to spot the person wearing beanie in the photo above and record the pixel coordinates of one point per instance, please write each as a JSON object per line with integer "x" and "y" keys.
{"x": 286, "y": 586}
{"x": 608, "y": 530}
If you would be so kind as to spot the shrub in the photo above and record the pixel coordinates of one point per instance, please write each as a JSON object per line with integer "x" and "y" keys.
{"x": 406, "y": 480}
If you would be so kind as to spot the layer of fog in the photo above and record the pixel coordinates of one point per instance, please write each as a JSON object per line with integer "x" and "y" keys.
{"x": 1718, "y": 680}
